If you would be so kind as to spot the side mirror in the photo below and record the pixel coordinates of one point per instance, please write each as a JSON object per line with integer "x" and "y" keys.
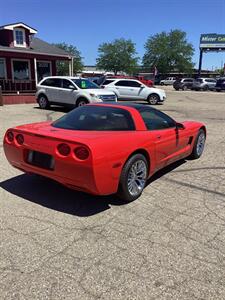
{"x": 71, "y": 87}
{"x": 142, "y": 86}
{"x": 180, "y": 126}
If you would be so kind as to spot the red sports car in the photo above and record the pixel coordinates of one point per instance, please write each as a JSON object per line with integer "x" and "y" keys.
{"x": 104, "y": 149}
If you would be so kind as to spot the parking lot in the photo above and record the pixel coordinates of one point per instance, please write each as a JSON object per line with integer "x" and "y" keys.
{"x": 56, "y": 243}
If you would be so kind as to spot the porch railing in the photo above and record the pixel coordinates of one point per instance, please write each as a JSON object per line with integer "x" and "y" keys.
{"x": 15, "y": 86}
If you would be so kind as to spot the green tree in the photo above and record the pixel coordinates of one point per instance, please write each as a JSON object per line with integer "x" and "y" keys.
{"x": 221, "y": 71}
{"x": 62, "y": 67}
{"x": 169, "y": 52}
{"x": 117, "y": 56}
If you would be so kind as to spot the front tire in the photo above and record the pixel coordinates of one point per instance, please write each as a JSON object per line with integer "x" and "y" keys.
{"x": 153, "y": 99}
{"x": 43, "y": 102}
{"x": 133, "y": 178}
{"x": 198, "y": 145}
{"x": 81, "y": 102}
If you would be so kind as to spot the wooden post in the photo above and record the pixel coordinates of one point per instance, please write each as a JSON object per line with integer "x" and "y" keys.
{"x": 1, "y": 98}
{"x": 70, "y": 68}
{"x": 35, "y": 71}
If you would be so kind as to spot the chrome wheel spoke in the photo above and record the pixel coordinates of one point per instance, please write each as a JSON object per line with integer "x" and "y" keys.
{"x": 200, "y": 143}
{"x": 137, "y": 177}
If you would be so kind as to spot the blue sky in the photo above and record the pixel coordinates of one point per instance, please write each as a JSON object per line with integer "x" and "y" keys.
{"x": 88, "y": 23}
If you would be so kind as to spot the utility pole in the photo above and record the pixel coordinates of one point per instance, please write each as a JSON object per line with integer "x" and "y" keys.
{"x": 200, "y": 63}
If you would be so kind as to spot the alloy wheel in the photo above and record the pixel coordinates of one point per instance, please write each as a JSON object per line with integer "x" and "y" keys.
{"x": 200, "y": 143}
{"x": 137, "y": 177}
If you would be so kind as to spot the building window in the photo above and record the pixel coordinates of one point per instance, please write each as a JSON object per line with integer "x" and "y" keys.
{"x": 21, "y": 69}
{"x": 44, "y": 69}
{"x": 2, "y": 68}
{"x": 19, "y": 38}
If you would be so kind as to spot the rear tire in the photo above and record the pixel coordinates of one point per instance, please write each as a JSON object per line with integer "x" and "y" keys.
{"x": 198, "y": 145}
{"x": 43, "y": 102}
{"x": 133, "y": 178}
{"x": 205, "y": 88}
{"x": 81, "y": 102}
{"x": 153, "y": 99}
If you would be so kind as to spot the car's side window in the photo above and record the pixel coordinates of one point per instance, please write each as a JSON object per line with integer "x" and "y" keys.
{"x": 67, "y": 84}
{"x": 53, "y": 82}
{"x": 134, "y": 84}
{"x": 128, "y": 83}
{"x": 121, "y": 83}
{"x": 107, "y": 81}
{"x": 156, "y": 120}
{"x": 47, "y": 82}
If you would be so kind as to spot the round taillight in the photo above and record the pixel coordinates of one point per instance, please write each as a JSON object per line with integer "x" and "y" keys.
{"x": 64, "y": 149}
{"x": 10, "y": 136}
{"x": 81, "y": 152}
{"x": 20, "y": 139}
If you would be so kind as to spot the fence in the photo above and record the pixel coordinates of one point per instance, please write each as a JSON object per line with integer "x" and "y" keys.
{"x": 15, "y": 86}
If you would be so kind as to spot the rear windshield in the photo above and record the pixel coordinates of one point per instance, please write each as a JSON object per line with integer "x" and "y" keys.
{"x": 85, "y": 84}
{"x": 108, "y": 81}
{"x": 98, "y": 118}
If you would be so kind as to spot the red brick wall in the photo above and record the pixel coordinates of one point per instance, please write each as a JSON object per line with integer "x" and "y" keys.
{"x": 18, "y": 99}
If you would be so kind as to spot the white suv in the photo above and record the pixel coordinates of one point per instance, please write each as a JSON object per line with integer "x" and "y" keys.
{"x": 73, "y": 91}
{"x": 131, "y": 89}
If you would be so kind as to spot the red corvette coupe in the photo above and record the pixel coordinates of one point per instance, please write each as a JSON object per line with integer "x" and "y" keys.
{"x": 104, "y": 148}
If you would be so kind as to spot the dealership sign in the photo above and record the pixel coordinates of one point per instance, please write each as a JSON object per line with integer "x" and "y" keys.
{"x": 212, "y": 40}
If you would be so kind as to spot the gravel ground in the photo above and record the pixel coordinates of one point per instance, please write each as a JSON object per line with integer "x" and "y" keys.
{"x": 56, "y": 243}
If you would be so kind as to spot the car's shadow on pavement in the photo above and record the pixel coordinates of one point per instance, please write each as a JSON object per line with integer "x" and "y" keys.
{"x": 165, "y": 170}
{"x": 53, "y": 195}
{"x": 54, "y": 108}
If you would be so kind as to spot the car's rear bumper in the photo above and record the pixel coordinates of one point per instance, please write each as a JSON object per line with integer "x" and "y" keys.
{"x": 75, "y": 175}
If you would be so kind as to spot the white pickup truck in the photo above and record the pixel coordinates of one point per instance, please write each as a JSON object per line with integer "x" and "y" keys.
{"x": 168, "y": 81}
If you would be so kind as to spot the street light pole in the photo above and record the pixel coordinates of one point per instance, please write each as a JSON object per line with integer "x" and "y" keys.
{"x": 200, "y": 63}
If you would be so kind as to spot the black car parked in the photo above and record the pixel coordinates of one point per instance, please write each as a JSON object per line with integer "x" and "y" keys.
{"x": 183, "y": 84}
{"x": 220, "y": 85}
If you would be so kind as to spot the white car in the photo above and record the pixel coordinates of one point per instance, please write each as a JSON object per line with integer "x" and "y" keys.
{"x": 75, "y": 91}
{"x": 168, "y": 81}
{"x": 131, "y": 89}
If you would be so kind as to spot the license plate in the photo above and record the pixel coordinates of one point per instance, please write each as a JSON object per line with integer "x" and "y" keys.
{"x": 41, "y": 160}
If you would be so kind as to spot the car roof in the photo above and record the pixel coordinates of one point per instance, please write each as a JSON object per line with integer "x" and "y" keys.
{"x": 117, "y": 79}
{"x": 127, "y": 104}
{"x": 64, "y": 77}
{"x": 205, "y": 78}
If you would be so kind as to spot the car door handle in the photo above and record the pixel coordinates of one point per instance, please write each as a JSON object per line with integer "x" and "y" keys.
{"x": 158, "y": 137}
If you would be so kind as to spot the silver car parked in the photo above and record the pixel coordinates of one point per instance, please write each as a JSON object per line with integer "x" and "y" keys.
{"x": 204, "y": 84}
